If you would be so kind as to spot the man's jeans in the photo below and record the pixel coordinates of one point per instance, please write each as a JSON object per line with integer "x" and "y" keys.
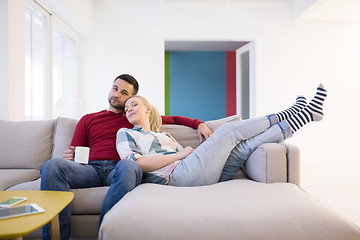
{"x": 226, "y": 151}
{"x": 60, "y": 175}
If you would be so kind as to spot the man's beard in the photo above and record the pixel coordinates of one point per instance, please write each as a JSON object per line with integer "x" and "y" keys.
{"x": 118, "y": 106}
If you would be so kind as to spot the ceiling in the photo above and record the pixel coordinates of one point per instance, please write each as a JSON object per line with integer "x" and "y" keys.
{"x": 302, "y": 10}
{"x": 324, "y": 10}
{"x": 333, "y": 10}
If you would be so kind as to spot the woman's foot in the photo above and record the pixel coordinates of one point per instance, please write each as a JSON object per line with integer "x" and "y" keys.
{"x": 312, "y": 112}
{"x": 294, "y": 109}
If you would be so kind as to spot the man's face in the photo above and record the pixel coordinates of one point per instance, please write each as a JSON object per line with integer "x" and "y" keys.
{"x": 119, "y": 93}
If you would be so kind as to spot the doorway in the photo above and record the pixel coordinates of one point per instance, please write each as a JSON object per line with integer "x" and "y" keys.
{"x": 208, "y": 79}
{"x": 245, "y": 81}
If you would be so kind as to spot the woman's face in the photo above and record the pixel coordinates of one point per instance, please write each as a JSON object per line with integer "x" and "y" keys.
{"x": 136, "y": 111}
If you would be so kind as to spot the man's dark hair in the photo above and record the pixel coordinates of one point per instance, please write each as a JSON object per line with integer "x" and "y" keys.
{"x": 129, "y": 79}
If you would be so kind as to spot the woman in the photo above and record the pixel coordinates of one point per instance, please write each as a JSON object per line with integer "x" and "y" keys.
{"x": 164, "y": 161}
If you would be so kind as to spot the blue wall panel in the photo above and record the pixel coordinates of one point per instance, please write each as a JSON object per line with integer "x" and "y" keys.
{"x": 198, "y": 84}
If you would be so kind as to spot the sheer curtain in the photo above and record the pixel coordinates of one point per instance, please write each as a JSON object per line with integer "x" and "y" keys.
{"x": 50, "y": 66}
{"x": 36, "y": 63}
{"x": 63, "y": 75}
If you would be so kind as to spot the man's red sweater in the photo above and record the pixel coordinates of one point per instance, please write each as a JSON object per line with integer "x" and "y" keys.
{"x": 98, "y": 131}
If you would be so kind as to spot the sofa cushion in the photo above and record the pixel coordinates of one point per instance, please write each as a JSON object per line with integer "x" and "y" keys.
{"x": 268, "y": 164}
{"x": 88, "y": 200}
{"x": 187, "y": 136}
{"x": 12, "y": 177}
{"x": 237, "y": 209}
{"x": 27, "y": 186}
{"x": 64, "y": 131}
{"x": 26, "y": 144}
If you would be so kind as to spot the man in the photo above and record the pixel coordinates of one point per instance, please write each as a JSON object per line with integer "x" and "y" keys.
{"x": 98, "y": 131}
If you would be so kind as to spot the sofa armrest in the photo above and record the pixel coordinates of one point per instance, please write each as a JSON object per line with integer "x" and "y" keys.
{"x": 274, "y": 162}
{"x": 293, "y": 161}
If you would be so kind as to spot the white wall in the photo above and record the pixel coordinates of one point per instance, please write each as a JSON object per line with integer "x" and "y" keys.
{"x": 12, "y": 60}
{"x": 4, "y": 61}
{"x": 292, "y": 57}
{"x": 78, "y": 14}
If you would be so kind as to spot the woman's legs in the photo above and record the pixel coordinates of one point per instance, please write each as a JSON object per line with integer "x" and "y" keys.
{"x": 296, "y": 116}
{"x": 240, "y": 153}
{"x": 205, "y": 164}
{"x": 294, "y": 109}
{"x": 312, "y": 112}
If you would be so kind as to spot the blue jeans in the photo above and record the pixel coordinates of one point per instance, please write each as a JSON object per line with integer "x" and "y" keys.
{"x": 229, "y": 146}
{"x": 60, "y": 175}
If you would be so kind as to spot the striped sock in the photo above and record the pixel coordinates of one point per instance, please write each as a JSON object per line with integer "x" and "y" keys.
{"x": 312, "y": 112}
{"x": 294, "y": 109}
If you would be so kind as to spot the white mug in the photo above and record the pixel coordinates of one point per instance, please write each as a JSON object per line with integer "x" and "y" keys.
{"x": 82, "y": 155}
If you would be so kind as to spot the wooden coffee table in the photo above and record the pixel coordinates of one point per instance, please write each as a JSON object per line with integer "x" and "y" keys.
{"x": 52, "y": 201}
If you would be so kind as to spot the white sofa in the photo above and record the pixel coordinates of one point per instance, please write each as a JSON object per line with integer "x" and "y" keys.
{"x": 266, "y": 203}
{"x": 25, "y": 146}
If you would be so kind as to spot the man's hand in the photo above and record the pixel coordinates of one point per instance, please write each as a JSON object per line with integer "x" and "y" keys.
{"x": 69, "y": 153}
{"x": 204, "y": 132}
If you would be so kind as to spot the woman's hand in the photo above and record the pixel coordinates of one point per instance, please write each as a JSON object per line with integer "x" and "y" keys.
{"x": 151, "y": 163}
{"x": 185, "y": 152}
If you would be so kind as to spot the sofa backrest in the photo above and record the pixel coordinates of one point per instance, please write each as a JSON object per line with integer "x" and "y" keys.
{"x": 25, "y": 144}
{"x": 64, "y": 131}
{"x": 28, "y": 144}
{"x": 187, "y": 136}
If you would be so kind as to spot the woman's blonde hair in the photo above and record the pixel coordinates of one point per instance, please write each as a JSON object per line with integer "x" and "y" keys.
{"x": 154, "y": 117}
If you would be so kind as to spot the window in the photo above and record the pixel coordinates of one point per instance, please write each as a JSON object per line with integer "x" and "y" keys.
{"x": 63, "y": 75}
{"x": 36, "y": 63}
{"x": 50, "y": 63}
